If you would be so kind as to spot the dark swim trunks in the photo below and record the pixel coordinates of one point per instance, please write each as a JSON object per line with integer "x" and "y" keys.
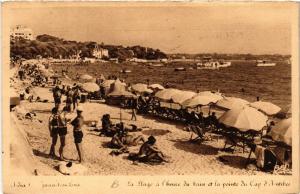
{"x": 61, "y": 131}
{"x": 78, "y": 135}
{"x": 57, "y": 100}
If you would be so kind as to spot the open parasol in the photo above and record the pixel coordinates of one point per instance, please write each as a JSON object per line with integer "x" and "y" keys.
{"x": 231, "y": 102}
{"x": 244, "y": 119}
{"x": 266, "y": 107}
{"x": 282, "y": 131}
{"x": 141, "y": 88}
{"x": 90, "y": 87}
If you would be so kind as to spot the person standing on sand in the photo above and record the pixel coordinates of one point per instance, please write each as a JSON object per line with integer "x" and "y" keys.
{"x": 57, "y": 126}
{"x": 57, "y": 96}
{"x": 76, "y": 96}
{"x": 77, "y": 132}
{"x": 69, "y": 100}
{"x": 134, "y": 104}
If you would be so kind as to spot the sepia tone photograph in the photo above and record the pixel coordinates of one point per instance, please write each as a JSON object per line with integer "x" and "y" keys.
{"x": 151, "y": 90}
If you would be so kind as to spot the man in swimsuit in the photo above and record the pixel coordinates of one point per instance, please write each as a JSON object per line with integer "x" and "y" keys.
{"x": 77, "y": 132}
{"x": 57, "y": 126}
{"x": 149, "y": 152}
{"x": 122, "y": 139}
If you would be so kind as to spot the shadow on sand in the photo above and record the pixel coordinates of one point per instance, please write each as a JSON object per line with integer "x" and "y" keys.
{"x": 45, "y": 155}
{"x": 233, "y": 161}
{"x": 157, "y": 119}
{"x": 41, "y": 154}
{"x": 195, "y": 148}
{"x": 106, "y": 144}
{"x": 155, "y": 132}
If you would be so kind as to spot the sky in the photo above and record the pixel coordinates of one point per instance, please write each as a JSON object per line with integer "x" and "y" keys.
{"x": 205, "y": 28}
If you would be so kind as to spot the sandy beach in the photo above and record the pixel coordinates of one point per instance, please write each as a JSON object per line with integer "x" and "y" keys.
{"x": 186, "y": 158}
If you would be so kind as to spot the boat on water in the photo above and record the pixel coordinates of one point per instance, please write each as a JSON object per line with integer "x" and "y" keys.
{"x": 180, "y": 69}
{"x": 263, "y": 63}
{"x": 209, "y": 63}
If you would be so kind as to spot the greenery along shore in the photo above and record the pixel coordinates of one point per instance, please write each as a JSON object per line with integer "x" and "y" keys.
{"x": 50, "y": 46}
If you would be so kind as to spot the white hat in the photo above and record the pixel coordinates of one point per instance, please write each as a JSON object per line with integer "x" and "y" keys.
{"x": 80, "y": 109}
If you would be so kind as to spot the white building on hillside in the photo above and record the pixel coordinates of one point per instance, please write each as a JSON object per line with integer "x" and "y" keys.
{"x": 21, "y": 32}
{"x": 99, "y": 53}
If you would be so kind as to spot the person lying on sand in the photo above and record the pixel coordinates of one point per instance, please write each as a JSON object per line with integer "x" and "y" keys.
{"x": 121, "y": 139}
{"x": 149, "y": 152}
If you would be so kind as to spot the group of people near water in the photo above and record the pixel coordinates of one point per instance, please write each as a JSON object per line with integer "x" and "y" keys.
{"x": 120, "y": 133}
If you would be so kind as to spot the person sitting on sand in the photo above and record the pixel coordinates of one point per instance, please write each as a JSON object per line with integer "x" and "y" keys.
{"x": 212, "y": 120}
{"x": 194, "y": 119}
{"x": 122, "y": 139}
{"x": 57, "y": 126}
{"x": 108, "y": 129}
{"x": 150, "y": 153}
{"x": 77, "y": 132}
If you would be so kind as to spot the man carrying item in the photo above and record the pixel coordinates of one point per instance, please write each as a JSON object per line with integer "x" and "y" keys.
{"x": 57, "y": 126}
{"x": 77, "y": 132}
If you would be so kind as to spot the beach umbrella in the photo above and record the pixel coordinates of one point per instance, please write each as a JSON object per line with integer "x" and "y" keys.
{"x": 282, "y": 131}
{"x": 209, "y": 93}
{"x": 200, "y": 100}
{"x": 156, "y": 86}
{"x": 244, "y": 118}
{"x": 266, "y": 107}
{"x": 141, "y": 88}
{"x": 166, "y": 94}
{"x": 118, "y": 92}
{"x": 182, "y": 96}
{"x": 90, "y": 87}
{"x": 85, "y": 78}
{"x": 107, "y": 83}
{"x": 231, "y": 102}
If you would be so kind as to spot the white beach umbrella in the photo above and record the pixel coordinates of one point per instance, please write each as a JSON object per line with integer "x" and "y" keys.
{"x": 182, "y": 96}
{"x": 244, "y": 119}
{"x": 266, "y": 107}
{"x": 282, "y": 131}
{"x": 231, "y": 102}
{"x": 90, "y": 87}
{"x": 166, "y": 94}
{"x": 141, "y": 88}
{"x": 156, "y": 86}
{"x": 200, "y": 100}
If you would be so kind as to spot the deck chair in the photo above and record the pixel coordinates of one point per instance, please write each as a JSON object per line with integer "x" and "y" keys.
{"x": 199, "y": 131}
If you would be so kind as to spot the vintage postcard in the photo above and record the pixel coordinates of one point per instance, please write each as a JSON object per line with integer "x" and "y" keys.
{"x": 128, "y": 97}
